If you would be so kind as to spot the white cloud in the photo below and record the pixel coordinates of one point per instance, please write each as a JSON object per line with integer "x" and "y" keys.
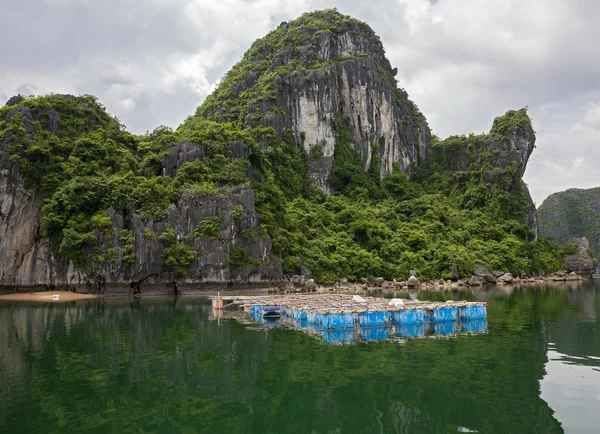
{"x": 591, "y": 117}
{"x": 417, "y": 14}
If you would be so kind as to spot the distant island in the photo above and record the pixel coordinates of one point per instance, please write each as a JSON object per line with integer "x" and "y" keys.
{"x": 572, "y": 213}
{"x": 308, "y": 159}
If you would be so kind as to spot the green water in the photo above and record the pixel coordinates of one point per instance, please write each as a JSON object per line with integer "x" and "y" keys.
{"x": 165, "y": 365}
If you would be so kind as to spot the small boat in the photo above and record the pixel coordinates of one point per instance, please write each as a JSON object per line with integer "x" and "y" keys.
{"x": 271, "y": 313}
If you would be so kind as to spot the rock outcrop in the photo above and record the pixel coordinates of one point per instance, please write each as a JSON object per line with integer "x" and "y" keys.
{"x": 502, "y": 154}
{"x": 582, "y": 261}
{"x": 509, "y": 144}
{"x": 483, "y": 272}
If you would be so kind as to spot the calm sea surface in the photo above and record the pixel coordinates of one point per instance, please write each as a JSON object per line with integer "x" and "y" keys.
{"x": 167, "y": 365}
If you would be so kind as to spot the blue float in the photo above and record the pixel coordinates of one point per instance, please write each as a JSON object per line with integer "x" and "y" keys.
{"x": 301, "y": 323}
{"x": 340, "y": 320}
{"x": 473, "y": 312}
{"x": 315, "y": 318}
{"x": 374, "y": 319}
{"x": 256, "y": 311}
{"x": 442, "y": 314}
{"x": 409, "y": 316}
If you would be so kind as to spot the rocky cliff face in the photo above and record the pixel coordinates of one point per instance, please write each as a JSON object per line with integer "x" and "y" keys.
{"x": 572, "y": 213}
{"x": 501, "y": 156}
{"x": 341, "y": 89}
{"x": 25, "y": 257}
{"x": 581, "y": 261}
{"x": 351, "y": 97}
{"x": 129, "y": 256}
{"x": 238, "y": 230}
{"x": 509, "y": 144}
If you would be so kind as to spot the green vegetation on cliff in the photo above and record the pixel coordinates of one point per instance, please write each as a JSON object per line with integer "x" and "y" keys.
{"x": 430, "y": 223}
{"x": 86, "y": 162}
{"x": 458, "y": 208}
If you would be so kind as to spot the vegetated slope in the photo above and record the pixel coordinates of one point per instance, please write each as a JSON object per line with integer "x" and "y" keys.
{"x": 308, "y": 154}
{"x": 572, "y": 213}
{"x": 85, "y": 202}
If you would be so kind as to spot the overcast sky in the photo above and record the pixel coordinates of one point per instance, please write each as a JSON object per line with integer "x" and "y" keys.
{"x": 152, "y": 62}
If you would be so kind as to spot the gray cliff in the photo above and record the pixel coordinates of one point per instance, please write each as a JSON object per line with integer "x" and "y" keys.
{"x": 27, "y": 259}
{"x": 25, "y": 256}
{"x": 354, "y": 94}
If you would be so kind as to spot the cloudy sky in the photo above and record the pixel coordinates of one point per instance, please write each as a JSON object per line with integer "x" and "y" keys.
{"x": 152, "y": 62}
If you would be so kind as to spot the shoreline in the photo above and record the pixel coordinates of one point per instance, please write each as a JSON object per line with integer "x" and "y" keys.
{"x": 47, "y": 296}
{"x": 37, "y": 295}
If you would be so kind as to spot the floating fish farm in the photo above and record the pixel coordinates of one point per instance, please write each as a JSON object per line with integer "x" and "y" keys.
{"x": 345, "y": 318}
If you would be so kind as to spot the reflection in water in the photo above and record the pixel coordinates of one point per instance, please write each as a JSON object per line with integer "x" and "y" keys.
{"x": 572, "y": 388}
{"x": 169, "y": 365}
{"x": 571, "y": 385}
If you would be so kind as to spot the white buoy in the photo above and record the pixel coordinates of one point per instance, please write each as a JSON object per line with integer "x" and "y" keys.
{"x": 396, "y": 302}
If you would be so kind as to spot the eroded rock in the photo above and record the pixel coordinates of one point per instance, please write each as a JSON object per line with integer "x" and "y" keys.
{"x": 582, "y": 261}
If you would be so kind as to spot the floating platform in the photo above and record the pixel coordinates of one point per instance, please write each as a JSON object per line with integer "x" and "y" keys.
{"x": 339, "y": 318}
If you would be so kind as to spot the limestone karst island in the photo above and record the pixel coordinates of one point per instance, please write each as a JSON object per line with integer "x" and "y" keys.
{"x": 319, "y": 260}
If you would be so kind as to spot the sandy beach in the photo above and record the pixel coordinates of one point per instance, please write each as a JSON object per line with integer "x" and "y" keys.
{"x": 46, "y": 296}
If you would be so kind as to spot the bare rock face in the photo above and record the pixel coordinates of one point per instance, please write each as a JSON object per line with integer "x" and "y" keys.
{"x": 354, "y": 98}
{"x": 483, "y": 272}
{"x": 506, "y": 278}
{"x": 581, "y": 262}
{"x": 511, "y": 143}
{"x": 413, "y": 281}
{"x": 25, "y": 258}
{"x": 182, "y": 153}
